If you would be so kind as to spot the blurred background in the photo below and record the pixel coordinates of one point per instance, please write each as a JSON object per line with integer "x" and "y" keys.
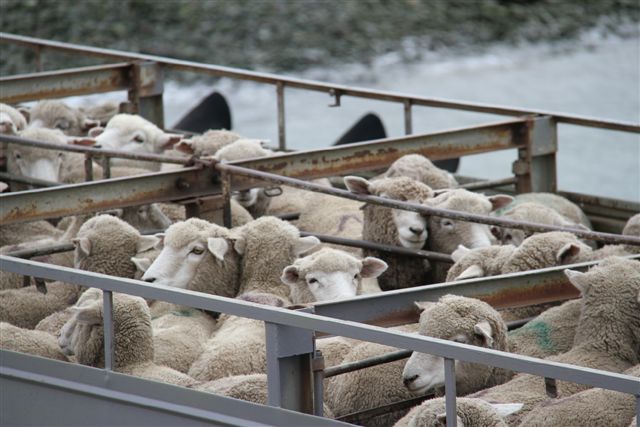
{"x": 574, "y": 56}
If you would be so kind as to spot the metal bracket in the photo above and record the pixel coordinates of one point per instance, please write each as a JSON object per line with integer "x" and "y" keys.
{"x": 337, "y": 93}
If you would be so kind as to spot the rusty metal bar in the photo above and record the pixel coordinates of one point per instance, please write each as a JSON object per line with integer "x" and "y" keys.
{"x": 38, "y": 53}
{"x": 480, "y": 185}
{"x": 97, "y": 152}
{"x": 27, "y": 180}
{"x": 435, "y": 256}
{"x": 106, "y": 194}
{"x": 62, "y": 83}
{"x": 44, "y": 250}
{"x": 88, "y": 167}
{"x": 282, "y": 138}
{"x": 445, "y": 213}
{"x": 362, "y": 416}
{"x": 274, "y": 79}
{"x": 106, "y": 167}
{"x": 408, "y": 125}
{"x": 227, "y": 219}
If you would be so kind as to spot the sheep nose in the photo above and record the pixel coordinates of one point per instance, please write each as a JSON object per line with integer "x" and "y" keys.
{"x": 150, "y": 279}
{"x": 408, "y": 380}
{"x": 416, "y": 230}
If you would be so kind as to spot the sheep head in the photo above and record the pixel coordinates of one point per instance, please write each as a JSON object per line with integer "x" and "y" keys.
{"x": 37, "y": 162}
{"x": 57, "y": 115}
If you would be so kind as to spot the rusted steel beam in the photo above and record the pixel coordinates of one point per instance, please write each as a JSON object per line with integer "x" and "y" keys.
{"x": 426, "y": 210}
{"x": 70, "y": 82}
{"x": 106, "y": 194}
{"x": 480, "y": 185}
{"x": 95, "y": 152}
{"x": 296, "y": 83}
{"x": 27, "y": 180}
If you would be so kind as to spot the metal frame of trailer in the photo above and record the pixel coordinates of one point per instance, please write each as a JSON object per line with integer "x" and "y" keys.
{"x": 295, "y": 369}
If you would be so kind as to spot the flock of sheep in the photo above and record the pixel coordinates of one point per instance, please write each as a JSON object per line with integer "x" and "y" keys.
{"x": 265, "y": 260}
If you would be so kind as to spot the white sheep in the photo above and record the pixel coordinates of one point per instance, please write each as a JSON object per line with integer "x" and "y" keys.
{"x": 255, "y": 200}
{"x": 28, "y": 341}
{"x": 199, "y": 256}
{"x": 560, "y": 204}
{"x": 11, "y": 120}
{"x": 21, "y": 232}
{"x": 329, "y": 274}
{"x": 606, "y": 338}
{"x": 478, "y": 262}
{"x": 469, "y": 412}
{"x": 128, "y": 132}
{"x": 395, "y": 227}
{"x": 102, "y": 113}
{"x": 83, "y": 337}
{"x": 596, "y": 407}
{"x": 421, "y": 169}
{"x": 40, "y": 163}
{"x": 57, "y": 115}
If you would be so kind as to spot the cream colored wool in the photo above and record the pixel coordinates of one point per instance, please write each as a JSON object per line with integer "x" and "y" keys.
{"x": 20, "y": 232}
{"x": 294, "y": 200}
{"x": 479, "y": 262}
{"x": 28, "y": 341}
{"x": 421, "y": 169}
{"x": 54, "y": 114}
{"x": 53, "y": 323}
{"x": 101, "y": 112}
{"x": 11, "y": 120}
{"x": 560, "y": 204}
{"x": 607, "y": 336}
{"x": 596, "y": 407}
{"x": 470, "y": 412}
{"x": 83, "y": 336}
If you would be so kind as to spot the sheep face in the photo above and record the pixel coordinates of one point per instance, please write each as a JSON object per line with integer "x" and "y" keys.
{"x": 412, "y": 228}
{"x": 132, "y": 133}
{"x": 37, "y": 162}
{"x": 11, "y": 121}
{"x": 459, "y": 319}
{"x": 247, "y": 198}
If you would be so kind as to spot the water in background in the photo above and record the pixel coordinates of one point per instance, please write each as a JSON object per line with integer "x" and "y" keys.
{"x": 595, "y": 76}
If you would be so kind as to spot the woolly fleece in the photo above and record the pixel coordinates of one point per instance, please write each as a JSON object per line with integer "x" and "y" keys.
{"x": 28, "y": 341}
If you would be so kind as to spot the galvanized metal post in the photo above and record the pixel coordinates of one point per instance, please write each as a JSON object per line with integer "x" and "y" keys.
{"x": 107, "y": 309}
{"x": 106, "y": 167}
{"x": 88, "y": 167}
{"x": 289, "y": 369}
{"x": 638, "y": 411}
{"x": 146, "y": 92}
{"x": 38, "y": 53}
{"x": 450, "y": 391}
{"x": 318, "y": 383}
{"x": 535, "y": 168}
{"x": 408, "y": 123}
{"x": 282, "y": 141}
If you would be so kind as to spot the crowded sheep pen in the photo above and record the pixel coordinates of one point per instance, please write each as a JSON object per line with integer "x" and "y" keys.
{"x": 175, "y": 277}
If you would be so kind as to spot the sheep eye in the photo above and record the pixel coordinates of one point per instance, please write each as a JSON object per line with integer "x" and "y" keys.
{"x": 197, "y": 250}
{"x": 447, "y": 223}
{"x": 313, "y": 280}
{"x": 17, "y": 155}
{"x": 138, "y": 138}
{"x": 355, "y": 276}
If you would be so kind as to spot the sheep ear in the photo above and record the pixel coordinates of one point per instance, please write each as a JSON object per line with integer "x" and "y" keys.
{"x": 84, "y": 245}
{"x": 305, "y": 244}
{"x": 424, "y": 305}
{"x": 290, "y": 275}
{"x": 218, "y": 246}
{"x": 357, "y": 185}
{"x": 460, "y": 253}
{"x": 3, "y": 186}
{"x": 506, "y": 409}
{"x": 578, "y": 279}
{"x": 146, "y": 242}
{"x": 90, "y": 313}
{"x": 567, "y": 253}
{"x": 240, "y": 245}
{"x": 185, "y": 146}
{"x": 499, "y": 201}
{"x": 169, "y": 140}
{"x": 159, "y": 240}
{"x": 372, "y": 267}
{"x": 142, "y": 264}
{"x": 484, "y": 330}
{"x": 94, "y": 132}
{"x": 471, "y": 272}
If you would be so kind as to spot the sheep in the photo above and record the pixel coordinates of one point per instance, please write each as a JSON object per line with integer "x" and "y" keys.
{"x": 531, "y": 212}
{"x": 634, "y": 422}
{"x": 128, "y": 132}
{"x": 560, "y": 204}
{"x": 199, "y": 256}
{"x": 470, "y": 413}
{"x": 329, "y": 274}
{"x": 11, "y": 120}
{"x": 595, "y": 407}
{"x": 37, "y": 343}
{"x": 20, "y": 232}
{"x": 102, "y": 113}
{"x": 607, "y": 336}
{"x": 39, "y": 163}
{"x": 105, "y": 244}
{"x": 255, "y": 200}
{"x": 394, "y": 227}
{"x": 479, "y": 262}
{"x": 239, "y": 214}
{"x": 207, "y": 144}
{"x": 83, "y": 336}
{"x": 57, "y": 115}
{"x": 53, "y": 323}
{"x": 421, "y": 169}
{"x": 295, "y": 200}
{"x": 27, "y": 306}
{"x": 631, "y": 228}
{"x": 453, "y": 318}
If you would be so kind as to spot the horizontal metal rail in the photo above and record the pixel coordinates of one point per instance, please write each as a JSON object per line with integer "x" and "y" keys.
{"x": 27, "y": 180}
{"x": 481, "y": 185}
{"x": 95, "y": 152}
{"x": 297, "y": 319}
{"x": 426, "y": 210}
{"x": 329, "y": 88}
{"x": 69, "y": 82}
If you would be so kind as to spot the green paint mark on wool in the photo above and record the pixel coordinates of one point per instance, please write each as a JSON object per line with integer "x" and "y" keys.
{"x": 543, "y": 332}
{"x": 183, "y": 313}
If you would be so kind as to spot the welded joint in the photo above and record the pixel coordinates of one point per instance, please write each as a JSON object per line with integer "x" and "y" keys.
{"x": 337, "y": 94}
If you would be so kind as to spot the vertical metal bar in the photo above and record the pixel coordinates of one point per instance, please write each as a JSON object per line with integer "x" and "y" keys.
{"x": 638, "y": 411}
{"x": 544, "y": 145}
{"x": 282, "y": 142}
{"x": 106, "y": 167}
{"x": 227, "y": 220}
{"x": 88, "y": 167}
{"x": 38, "y": 52}
{"x": 408, "y": 123}
{"x": 318, "y": 384}
{"x": 192, "y": 210}
{"x": 146, "y": 92}
{"x": 107, "y": 309}
{"x": 450, "y": 391}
